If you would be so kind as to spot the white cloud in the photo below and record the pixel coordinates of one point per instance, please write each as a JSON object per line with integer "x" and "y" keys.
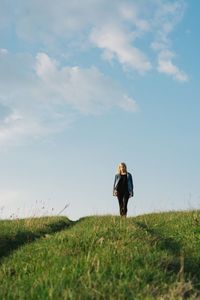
{"x": 3, "y": 51}
{"x": 128, "y": 104}
{"x": 25, "y": 125}
{"x": 165, "y": 65}
{"x": 47, "y": 21}
{"x": 45, "y": 67}
{"x": 26, "y": 113}
{"x": 86, "y": 90}
{"x": 42, "y": 97}
{"x": 117, "y": 43}
{"x": 167, "y": 16}
{"x": 119, "y": 28}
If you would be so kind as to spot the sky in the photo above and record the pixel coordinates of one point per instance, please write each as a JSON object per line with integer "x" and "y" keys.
{"x": 85, "y": 85}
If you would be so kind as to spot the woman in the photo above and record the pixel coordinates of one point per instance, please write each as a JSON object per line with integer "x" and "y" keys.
{"x": 123, "y": 188}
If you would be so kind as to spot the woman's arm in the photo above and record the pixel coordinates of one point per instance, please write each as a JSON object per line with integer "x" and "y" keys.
{"x": 131, "y": 185}
{"x": 114, "y": 186}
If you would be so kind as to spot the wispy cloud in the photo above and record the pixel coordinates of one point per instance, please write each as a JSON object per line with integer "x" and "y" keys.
{"x": 40, "y": 92}
{"x": 51, "y": 95}
{"x": 167, "y": 15}
{"x": 117, "y": 43}
{"x": 86, "y": 90}
{"x": 165, "y": 65}
{"x": 116, "y": 27}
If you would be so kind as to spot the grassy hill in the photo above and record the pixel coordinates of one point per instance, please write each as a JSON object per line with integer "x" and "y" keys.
{"x": 154, "y": 256}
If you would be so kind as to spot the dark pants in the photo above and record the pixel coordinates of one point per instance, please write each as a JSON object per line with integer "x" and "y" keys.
{"x": 123, "y": 201}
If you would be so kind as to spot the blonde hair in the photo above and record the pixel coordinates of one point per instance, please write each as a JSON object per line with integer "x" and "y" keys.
{"x": 121, "y": 164}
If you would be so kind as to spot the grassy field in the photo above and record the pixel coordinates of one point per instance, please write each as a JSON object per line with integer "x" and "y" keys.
{"x": 154, "y": 256}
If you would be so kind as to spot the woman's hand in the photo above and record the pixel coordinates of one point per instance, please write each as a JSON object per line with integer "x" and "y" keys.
{"x": 115, "y": 193}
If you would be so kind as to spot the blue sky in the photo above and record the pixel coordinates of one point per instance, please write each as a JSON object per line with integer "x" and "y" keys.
{"x": 87, "y": 84}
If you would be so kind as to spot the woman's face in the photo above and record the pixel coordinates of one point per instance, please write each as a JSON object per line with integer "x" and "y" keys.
{"x": 122, "y": 169}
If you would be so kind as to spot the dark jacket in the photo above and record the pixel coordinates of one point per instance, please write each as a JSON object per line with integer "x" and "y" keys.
{"x": 129, "y": 181}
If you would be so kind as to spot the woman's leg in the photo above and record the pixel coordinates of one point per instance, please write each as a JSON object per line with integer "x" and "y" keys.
{"x": 125, "y": 203}
{"x": 120, "y": 200}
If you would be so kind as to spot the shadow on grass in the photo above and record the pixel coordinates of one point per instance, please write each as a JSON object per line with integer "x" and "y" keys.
{"x": 10, "y": 243}
{"x": 182, "y": 264}
{"x": 164, "y": 243}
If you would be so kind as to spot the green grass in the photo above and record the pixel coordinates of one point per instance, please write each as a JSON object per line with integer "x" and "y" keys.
{"x": 154, "y": 256}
